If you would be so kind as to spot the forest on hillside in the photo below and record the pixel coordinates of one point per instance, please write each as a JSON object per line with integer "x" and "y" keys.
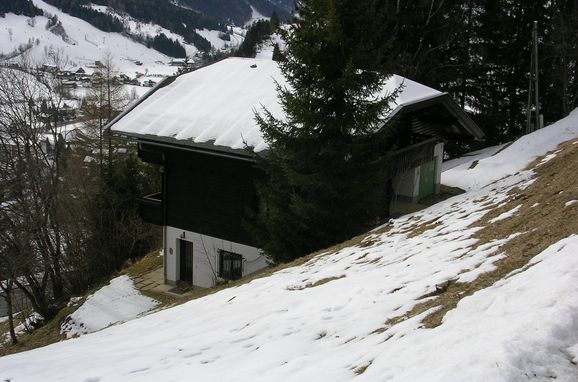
{"x": 19, "y": 7}
{"x": 69, "y": 216}
{"x": 480, "y": 52}
{"x": 239, "y": 12}
{"x": 176, "y": 19}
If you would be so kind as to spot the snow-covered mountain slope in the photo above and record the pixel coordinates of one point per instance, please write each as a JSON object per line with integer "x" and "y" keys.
{"x": 150, "y": 30}
{"x": 240, "y": 12}
{"x": 82, "y": 43}
{"x": 480, "y": 287}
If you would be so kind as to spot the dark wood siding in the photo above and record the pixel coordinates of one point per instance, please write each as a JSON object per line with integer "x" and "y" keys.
{"x": 208, "y": 194}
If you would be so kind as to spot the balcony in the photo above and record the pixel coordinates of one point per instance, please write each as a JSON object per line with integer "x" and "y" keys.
{"x": 151, "y": 208}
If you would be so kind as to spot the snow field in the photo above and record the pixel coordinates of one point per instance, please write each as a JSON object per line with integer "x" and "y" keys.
{"x": 523, "y": 328}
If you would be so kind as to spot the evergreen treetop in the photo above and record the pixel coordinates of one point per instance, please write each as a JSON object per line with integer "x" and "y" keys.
{"x": 326, "y": 163}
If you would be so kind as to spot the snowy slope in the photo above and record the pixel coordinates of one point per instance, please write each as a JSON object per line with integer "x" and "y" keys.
{"x": 515, "y": 158}
{"x": 117, "y": 302}
{"x": 255, "y": 16}
{"x": 332, "y": 319}
{"x": 84, "y": 43}
{"x": 237, "y": 37}
{"x": 151, "y": 30}
{"x": 265, "y": 49}
{"x": 145, "y": 29}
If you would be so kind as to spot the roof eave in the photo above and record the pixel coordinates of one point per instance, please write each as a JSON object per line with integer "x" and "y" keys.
{"x": 469, "y": 125}
{"x": 208, "y": 148}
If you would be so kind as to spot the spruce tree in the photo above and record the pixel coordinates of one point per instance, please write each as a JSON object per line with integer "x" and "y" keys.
{"x": 277, "y": 54}
{"x": 274, "y": 21}
{"x": 326, "y": 164}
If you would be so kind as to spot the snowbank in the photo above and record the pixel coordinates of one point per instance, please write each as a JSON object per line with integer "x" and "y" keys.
{"x": 115, "y": 303}
{"x": 514, "y": 158}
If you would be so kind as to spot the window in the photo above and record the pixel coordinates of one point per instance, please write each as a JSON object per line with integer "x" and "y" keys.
{"x": 230, "y": 265}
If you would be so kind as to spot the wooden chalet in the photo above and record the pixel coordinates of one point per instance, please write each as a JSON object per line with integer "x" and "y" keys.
{"x": 197, "y": 126}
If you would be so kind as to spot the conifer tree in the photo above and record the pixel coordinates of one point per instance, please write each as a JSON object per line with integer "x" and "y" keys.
{"x": 326, "y": 163}
{"x": 274, "y": 21}
{"x": 277, "y": 54}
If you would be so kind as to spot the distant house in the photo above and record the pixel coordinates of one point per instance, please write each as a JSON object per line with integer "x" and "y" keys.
{"x": 196, "y": 127}
{"x": 66, "y": 136}
{"x": 69, "y": 84}
{"x": 50, "y": 68}
{"x": 80, "y": 71}
{"x": 178, "y": 62}
{"x": 149, "y": 83}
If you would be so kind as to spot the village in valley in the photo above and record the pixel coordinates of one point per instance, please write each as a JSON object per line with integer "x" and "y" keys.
{"x": 288, "y": 190}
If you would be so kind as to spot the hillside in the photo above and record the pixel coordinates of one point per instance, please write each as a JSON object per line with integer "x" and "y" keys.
{"x": 134, "y": 41}
{"x": 480, "y": 287}
{"x": 239, "y": 11}
{"x": 75, "y": 39}
{"x": 185, "y": 22}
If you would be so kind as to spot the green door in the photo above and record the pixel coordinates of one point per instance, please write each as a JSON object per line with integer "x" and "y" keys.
{"x": 426, "y": 179}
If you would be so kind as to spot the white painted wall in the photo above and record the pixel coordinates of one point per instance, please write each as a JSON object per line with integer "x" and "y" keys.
{"x": 407, "y": 183}
{"x": 205, "y": 256}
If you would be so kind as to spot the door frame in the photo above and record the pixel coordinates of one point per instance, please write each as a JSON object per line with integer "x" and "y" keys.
{"x": 183, "y": 256}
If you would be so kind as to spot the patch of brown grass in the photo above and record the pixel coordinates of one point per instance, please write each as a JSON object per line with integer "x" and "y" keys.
{"x": 317, "y": 283}
{"x": 419, "y": 229}
{"x": 473, "y": 164}
{"x": 49, "y": 332}
{"x": 165, "y": 300}
{"x": 45, "y": 335}
{"x": 148, "y": 263}
{"x": 549, "y": 222}
{"x": 361, "y": 369}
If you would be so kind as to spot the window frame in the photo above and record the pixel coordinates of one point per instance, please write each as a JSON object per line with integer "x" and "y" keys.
{"x": 233, "y": 273}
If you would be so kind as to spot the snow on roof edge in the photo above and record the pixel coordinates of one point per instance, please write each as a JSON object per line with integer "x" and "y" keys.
{"x": 220, "y": 100}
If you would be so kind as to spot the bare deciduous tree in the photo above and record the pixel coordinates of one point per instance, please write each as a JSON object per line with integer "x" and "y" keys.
{"x": 30, "y": 178}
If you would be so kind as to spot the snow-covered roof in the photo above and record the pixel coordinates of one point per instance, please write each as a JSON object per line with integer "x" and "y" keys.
{"x": 217, "y": 104}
